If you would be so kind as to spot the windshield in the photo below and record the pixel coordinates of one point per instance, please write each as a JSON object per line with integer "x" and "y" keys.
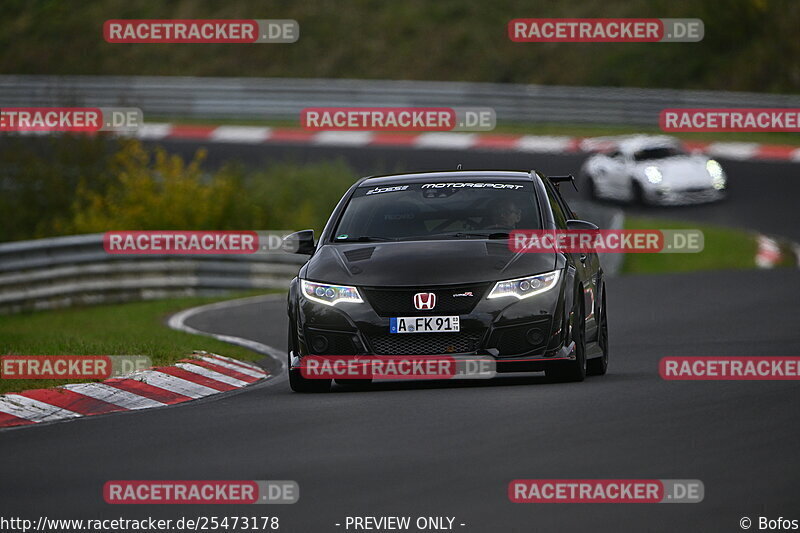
{"x": 658, "y": 153}
{"x": 449, "y": 210}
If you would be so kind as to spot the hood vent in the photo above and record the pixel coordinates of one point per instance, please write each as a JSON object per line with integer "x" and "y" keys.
{"x": 359, "y": 254}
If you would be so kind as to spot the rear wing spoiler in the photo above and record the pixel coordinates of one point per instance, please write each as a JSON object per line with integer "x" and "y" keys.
{"x": 558, "y": 180}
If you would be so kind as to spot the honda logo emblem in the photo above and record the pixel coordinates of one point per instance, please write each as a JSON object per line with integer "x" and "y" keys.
{"x": 424, "y": 300}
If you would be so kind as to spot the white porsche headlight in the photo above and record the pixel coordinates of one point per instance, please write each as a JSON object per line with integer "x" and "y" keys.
{"x": 714, "y": 168}
{"x": 525, "y": 287}
{"x": 329, "y": 294}
{"x": 653, "y": 175}
{"x": 717, "y": 174}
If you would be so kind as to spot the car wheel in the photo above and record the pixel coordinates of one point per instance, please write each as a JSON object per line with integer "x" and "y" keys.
{"x": 573, "y": 370}
{"x": 300, "y": 384}
{"x": 296, "y": 380}
{"x": 599, "y": 365}
{"x": 591, "y": 188}
{"x": 637, "y": 194}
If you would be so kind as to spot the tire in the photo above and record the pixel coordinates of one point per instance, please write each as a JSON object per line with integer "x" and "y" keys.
{"x": 300, "y": 384}
{"x": 296, "y": 380}
{"x": 592, "y": 189}
{"x": 599, "y": 365}
{"x": 637, "y": 196}
{"x": 573, "y": 370}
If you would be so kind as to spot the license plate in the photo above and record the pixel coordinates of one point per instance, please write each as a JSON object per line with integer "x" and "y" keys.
{"x": 424, "y": 324}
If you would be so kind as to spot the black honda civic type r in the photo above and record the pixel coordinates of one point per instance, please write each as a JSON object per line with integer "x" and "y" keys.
{"x": 436, "y": 244}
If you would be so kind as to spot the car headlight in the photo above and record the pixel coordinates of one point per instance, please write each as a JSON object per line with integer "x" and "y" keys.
{"x": 653, "y": 175}
{"x": 525, "y": 287}
{"x": 717, "y": 174}
{"x": 329, "y": 294}
{"x": 714, "y": 168}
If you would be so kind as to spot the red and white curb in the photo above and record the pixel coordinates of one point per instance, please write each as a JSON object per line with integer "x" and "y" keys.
{"x": 439, "y": 140}
{"x": 771, "y": 252}
{"x": 200, "y": 375}
{"x": 768, "y": 253}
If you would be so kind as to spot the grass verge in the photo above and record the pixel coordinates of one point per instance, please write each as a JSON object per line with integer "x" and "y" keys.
{"x": 724, "y": 249}
{"x": 121, "y": 329}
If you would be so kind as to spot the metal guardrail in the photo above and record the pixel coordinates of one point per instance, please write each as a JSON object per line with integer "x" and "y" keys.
{"x": 284, "y": 98}
{"x": 76, "y": 270}
{"x": 66, "y": 271}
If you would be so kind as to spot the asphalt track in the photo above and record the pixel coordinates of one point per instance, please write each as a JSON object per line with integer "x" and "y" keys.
{"x": 450, "y": 449}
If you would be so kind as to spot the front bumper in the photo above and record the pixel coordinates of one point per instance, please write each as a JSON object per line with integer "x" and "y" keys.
{"x": 695, "y": 195}
{"x": 531, "y": 331}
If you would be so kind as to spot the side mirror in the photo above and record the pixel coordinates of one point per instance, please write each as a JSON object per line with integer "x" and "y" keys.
{"x": 580, "y": 224}
{"x": 300, "y": 242}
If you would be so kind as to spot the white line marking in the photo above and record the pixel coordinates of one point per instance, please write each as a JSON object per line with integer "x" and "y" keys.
{"x": 107, "y": 393}
{"x": 207, "y": 372}
{"x": 733, "y": 150}
{"x": 240, "y": 134}
{"x": 177, "y": 321}
{"x": 245, "y": 364}
{"x": 33, "y": 410}
{"x": 447, "y": 140}
{"x": 345, "y": 138}
{"x": 544, "y": 143}
{"x": 173, "y": 383}
{"x": 236, "y": 368}
{"x": 153, "y": 130}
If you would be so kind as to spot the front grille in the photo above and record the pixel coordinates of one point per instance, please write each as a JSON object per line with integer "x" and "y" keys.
{"x": 400, "y": 302}
{"x": 424, "y": 343}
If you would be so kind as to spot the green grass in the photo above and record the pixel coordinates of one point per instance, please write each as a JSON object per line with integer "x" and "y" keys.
{"x": 724, "y": 249}
{"x": 137, "y": 328}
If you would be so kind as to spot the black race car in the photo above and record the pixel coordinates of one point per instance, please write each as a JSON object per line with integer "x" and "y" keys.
{"x": 405, "y": 246}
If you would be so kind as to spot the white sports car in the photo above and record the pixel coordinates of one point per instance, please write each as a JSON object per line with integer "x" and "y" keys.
{"x": 651, "y": 170}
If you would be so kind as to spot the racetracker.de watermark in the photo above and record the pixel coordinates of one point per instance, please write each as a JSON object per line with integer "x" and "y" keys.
{"x": 730, "y": 119}
{"x": 606, "y": 491}
{"x": 747, "y": 368}
{"x": 71, "y": 366}
{"x": 607, "y": 241}
{"x": 175, "y": 242}
{"x": 605, "y": 30}
{"x": 185, "y": 31}
{"x": 398, "y": 118}
{"x": 70, "y": 119}
{"x": 397, "y": 366}
{"x": 201, "y": 492}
